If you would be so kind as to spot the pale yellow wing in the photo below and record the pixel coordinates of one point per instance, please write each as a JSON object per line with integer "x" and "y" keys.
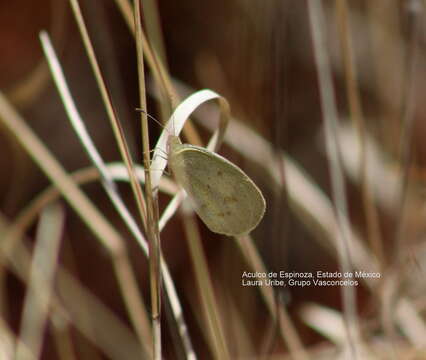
{"x": 222, "y": 195}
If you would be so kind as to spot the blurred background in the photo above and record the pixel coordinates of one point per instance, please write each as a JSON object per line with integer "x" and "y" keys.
{"x": 261, "y": 57}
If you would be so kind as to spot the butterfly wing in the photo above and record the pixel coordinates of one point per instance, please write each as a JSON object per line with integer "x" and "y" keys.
{"x": 222, "y": 195}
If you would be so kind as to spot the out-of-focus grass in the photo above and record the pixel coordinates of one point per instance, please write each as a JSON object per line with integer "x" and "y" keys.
{"x": 327, "y": 120}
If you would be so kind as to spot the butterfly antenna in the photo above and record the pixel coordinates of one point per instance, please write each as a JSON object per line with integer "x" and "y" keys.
{"x": 150, "y": 116}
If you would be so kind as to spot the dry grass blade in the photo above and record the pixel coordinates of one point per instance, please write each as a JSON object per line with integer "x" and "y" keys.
{"x": 135, "y": 304}
{"x": 174, "y": 126}
{"x": 155, "y": 34}
{"x": 8, "y": 342}
{"x": 43, "y": 267}
{"x": 114, "y": 121}
{"x": 72, "y": 112}
{"x": 151, "y": 197}
{"x": 405, "y": 153}
{"x": 385, "y": 183}
{"x": 157, "y": 67}
{"x": 358, "y": 121}
{"x": 80, "y": 302}
{"x": 82, "y": 205}
{"x": 326, "y": 321}
{"x": 177, "y": 121}
{"x": 330, "y": 116}
{"x": 101, "y": 228}
{"x": 156, "y": 41}
{"x": 108, "y": 184}
{"x": 312, "y": 205}
{"x": 118, "y": 172}
{"x": 216, "y": 338}
{"x": 287, "y": 329}
{"x": 90, "y": 148}
{"x": 315, "y": 209}
{"x": 83, "y": 176}
{"x": 160, "y": 73}
{"x": 328, "y": 131}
